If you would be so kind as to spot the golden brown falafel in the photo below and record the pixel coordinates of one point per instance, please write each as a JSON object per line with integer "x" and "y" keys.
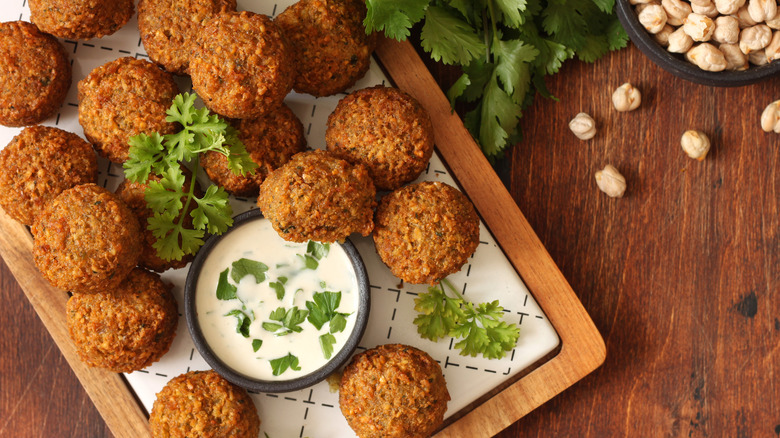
{"x": 168, "y": 27}
{"x": 203, "y": 404}
{"x": 241, "y": 65}
{"x": 426, "y": 231}
{"x": 317, "y": 196}
{"x": 37, "y": 165}
{"x": 80, "y": 19}
{"x": 384, "y": 129}
{"x": 330, "y": 44}
{"x": 393, "y": 391}
{"x": 123, "y": 98}
{"x": 270, "y": 140}
{"x": 126, "y": 328}
{"x": 35, "y": 74}
{"x": 86, "y": 240}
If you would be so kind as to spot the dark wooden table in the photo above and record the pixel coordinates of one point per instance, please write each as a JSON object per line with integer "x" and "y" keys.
{"x": 681, "y": 276}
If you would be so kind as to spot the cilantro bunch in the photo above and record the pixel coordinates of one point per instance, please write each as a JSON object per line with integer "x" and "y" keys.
{"x": 480, "y": 327}
{"x": 505, "y": 48}
{"x": 170, "y": 196}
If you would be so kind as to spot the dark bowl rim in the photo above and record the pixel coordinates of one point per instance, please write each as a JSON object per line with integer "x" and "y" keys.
{"x": 674, "y": 64}
{"x": 275, "y": 386}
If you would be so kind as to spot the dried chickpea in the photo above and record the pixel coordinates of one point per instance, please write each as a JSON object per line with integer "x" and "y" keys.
{"x": 754, "y": 38}
{"x": 653, "y": 18}
{"x": 707, "y": 57}
{"x": 743, "y": 18}
{"x": 770, "y": 118}
{"x": 758, "y": 57}
{"x": 626, "y": 98}
{"x": 696, "y": 144}
{"x": 583, "y": 126}
{"x": 699, "y": 27}
{"x": 774, "y": 23}
{"x": 708, "y": 9}
{"x": 662, "y": 37}
{"x": 735, "y": 59}
{"x": 762, "y": 10}
{"x": 728, "y": 7}
{"x": 726, "y": 30}
{"x": 611, "y": 182}
{"x": 772, "y": 50}
{"x": 676, "y": 11}
{"x": 679, "y": 41}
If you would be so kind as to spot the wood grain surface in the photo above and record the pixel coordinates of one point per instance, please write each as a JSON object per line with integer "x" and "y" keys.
{"x": 681, "y": 276}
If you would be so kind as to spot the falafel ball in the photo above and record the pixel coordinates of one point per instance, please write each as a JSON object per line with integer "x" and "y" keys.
{"x": 86, "y": 240}
{"x": 80, "y": 19}
{"x": 317, "y": 196}
{"x": 270, "y": 140}
{"x": 426, "y": 231}
{"x": 123, "y": 98}
{"x": 203, "y": 404}
{"x": 126, "y": 328}
{"x": 132, "y": 194}
{"x": 168, "y": 27}
{"x": 386, "y": 130}
{"x": 35, "y": 74}
{"x": 37, "y": 165}
{"x": 331, "y": 46}
{"x": 241, "y": 65}
{"x": 392, "y": 391}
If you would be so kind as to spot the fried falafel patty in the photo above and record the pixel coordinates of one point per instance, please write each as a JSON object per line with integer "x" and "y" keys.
{"x": 126, "y": 328}
{"x": 35, "y": 74}
{"x": 393, "y": 391}
{"x": 123, "y": 98}
{"x": 203, "y": 404}
{"x": 426, "y": 231}
{"x": 86, "y": 240}
{"x": 80, "y": 19}
{"x": 132, "y": 194}
{"x": 386, "y": 130}
{"x": 241, "y": 65}
{"x": 330, "y": 44}
{"x": 270, "y": 140}
{"x": 317, "y": 196}
{"x": 168, "y": 27}
{"x": 39, "y": 164}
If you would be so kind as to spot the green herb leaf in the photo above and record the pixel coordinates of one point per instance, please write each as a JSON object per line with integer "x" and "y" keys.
{"x": 323, "y": 308}
{"x": 309, "y": 262}
{"x": 256, "y": 344}
{"x": 394, "y": 17}
{"x": 243, "y": 267}
{"x": 225, "y": 290}
{"x": 449, "y": 39}
{"x": 282, "y": 364}
{"x": 317, "y": 250}
{"x": 326, "y": 343}
{"x": 338, "y": 323}
{"x": 243, "y": 323}
{"x": 290, "y": 321}
{"x": 278, "y": 287}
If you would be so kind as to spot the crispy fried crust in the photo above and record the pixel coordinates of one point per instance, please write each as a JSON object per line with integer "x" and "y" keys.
{"x": 127, "y": 328}
{"x": 39, "y": 164}
{"x": 35, "y": 74}
{"x": 331, "y": 47}
{"x": 80, "y": 19}
{"x": 316, "y": 196}
{"x": 86, "y": 240}
{"x": 384, "y": 129}
{"x": 393, "y": 391}
{"x": 123, "y": 98}
{"x": 426, "y": 231}
{"x": 203, "y": 404}
{"x": 241, "y": 65}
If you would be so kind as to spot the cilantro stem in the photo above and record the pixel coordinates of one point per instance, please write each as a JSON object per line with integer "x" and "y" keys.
{"x": 191, "y": 191}
{"x": 494, "y": 27}
{"x": 449, "y": 284}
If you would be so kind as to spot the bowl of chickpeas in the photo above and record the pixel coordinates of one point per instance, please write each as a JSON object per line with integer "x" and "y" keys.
{"x": 712, "y": 42}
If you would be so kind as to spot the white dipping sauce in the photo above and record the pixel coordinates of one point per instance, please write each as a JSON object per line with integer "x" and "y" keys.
{"x": 258, "y": 241}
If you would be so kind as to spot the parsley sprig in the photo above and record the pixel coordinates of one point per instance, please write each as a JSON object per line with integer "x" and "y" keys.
{"x": 505, "y": 48}
{"x": 170, "y": 196}
{"x": 481, "y": 327}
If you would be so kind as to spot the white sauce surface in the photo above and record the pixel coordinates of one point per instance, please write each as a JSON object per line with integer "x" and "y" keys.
{"x": 257, "y": 240}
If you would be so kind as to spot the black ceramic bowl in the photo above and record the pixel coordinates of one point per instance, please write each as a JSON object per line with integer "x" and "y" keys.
{"x": 274, "y": 386}
{"x": 677, "y": 64}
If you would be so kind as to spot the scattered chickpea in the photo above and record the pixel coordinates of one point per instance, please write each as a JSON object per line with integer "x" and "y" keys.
{"x": 626, "y": 97}
{"x": 696, "y": 144}
{"x": 611, "y": 182}
{"x": 583, "y": 126}
{"x": 770, "y": 118}
{"x": 707, "y": 57}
